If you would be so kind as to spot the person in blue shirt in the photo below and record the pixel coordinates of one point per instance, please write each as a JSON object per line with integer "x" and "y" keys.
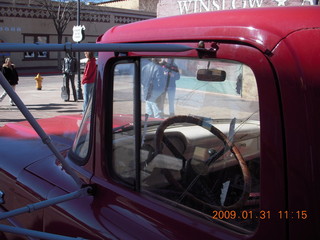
{"x": 152, "y": 80}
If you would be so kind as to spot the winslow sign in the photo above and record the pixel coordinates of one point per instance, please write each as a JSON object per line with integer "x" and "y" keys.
{"x": 179, "y": 7}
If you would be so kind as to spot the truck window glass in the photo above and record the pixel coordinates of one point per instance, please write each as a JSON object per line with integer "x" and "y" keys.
{"x": 123, "y": 139}
{"x": 200, "y": 136}
{"x": 80, "y": 147}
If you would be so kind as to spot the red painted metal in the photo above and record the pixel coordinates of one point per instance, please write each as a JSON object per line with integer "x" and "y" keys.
{"x": 262, "y": 28}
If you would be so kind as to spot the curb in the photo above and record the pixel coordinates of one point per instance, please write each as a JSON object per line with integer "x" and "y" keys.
{"x": 21, "y": 73}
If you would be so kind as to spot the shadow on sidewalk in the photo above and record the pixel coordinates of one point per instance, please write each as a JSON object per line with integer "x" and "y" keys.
{"x": 12, "y": 120}
{"x": 57, "y": 107}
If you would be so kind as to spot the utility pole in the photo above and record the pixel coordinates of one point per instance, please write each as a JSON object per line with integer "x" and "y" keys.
{"x": 79, "y": 88}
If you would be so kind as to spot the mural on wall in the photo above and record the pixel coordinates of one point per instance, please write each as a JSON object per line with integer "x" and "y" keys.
{"x": 179, "y": 7}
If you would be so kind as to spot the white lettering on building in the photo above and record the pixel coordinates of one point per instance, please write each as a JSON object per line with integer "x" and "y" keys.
{"x": 183, "y": 6}
{"x": 194, "y": 6}
{"x": 255, "y": 3}
{"x": 8, "y": 29}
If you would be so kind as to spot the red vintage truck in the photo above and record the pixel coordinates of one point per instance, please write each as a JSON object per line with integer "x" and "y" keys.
{"x": 201, "y": 126}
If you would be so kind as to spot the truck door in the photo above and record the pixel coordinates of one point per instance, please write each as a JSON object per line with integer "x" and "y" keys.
{"x": 299, "y": 81}
{"x": 196, "y": 148}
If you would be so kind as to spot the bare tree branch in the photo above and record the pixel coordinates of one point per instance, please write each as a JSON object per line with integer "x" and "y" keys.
{"x": 61, "y": 12}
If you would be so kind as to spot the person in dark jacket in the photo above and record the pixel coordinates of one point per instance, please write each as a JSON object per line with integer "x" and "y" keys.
{"x": 171, "y": 75}
{"x": 69, "y": 68}
{"x": 10, "y": 73}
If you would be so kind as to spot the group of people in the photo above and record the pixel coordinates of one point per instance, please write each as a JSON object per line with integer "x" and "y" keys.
{"x": 88, "y": 78}
{"x": 69, "y": 69}
{"x": 159, "y": 79}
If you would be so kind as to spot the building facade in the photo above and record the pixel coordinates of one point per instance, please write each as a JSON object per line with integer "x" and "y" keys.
{"x": 179, "y": 7}
{"x": 24, "y": 22}
{"x": 142, "y": 5}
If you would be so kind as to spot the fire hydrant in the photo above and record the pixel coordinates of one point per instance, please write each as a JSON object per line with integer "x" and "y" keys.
{"x": 38, "y": 79}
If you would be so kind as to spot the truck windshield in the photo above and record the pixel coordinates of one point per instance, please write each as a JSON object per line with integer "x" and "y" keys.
{"x": 200, "y": 135}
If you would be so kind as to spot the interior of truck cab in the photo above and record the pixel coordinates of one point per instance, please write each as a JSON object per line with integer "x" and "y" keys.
{"x": 199, "y": 135}
{"x": 196, "y": 125}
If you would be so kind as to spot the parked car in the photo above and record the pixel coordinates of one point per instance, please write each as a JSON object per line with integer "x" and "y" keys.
{"x": 233, "y": 156}
{"x": 83, "y": 62}
{"x": 124, "y": 69}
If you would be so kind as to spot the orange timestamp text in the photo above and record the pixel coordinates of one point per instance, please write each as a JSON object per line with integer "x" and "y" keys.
{"x": 259, "y": 215}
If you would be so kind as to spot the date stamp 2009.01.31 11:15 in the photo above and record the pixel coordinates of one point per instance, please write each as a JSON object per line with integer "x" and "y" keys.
{"x": 259, "y": 215}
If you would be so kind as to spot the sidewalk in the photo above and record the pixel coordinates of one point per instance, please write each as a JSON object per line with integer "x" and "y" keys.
{"x": 43, "y": 103}
{"x": 35, "y": 71}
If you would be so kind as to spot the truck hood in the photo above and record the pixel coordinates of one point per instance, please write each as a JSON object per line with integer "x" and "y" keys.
{"x": 21, "y": 146}
{"x": 64, "y": 126}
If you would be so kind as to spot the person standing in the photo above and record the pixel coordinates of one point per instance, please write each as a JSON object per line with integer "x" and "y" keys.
{"x": 69, "y": 67}
{"x": 171, "y": 74}
{"x": 153, "y": 87}
{"x": 10, "y": 73}
{"x": 88, "y": 78}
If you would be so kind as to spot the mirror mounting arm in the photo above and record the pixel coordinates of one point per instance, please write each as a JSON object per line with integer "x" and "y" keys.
{"x": 205, "y": 52}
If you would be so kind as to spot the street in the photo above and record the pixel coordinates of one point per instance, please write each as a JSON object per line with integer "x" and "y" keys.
{"x": 43, "y": 103}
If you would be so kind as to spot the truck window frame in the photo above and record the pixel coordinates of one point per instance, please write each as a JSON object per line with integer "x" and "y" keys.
{"x": 137, "y": 136}
{"x": 86, "y": 131}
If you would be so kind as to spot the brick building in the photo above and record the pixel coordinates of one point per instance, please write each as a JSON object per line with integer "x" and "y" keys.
{"x": 22, "y": 21}
{"x": 142, "y": 5}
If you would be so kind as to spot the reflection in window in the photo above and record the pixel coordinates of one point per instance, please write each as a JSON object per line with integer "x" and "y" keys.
{"x": 200, "y": 135}
{"x": 82, "y": 141}
{"x": 123, "y": 139}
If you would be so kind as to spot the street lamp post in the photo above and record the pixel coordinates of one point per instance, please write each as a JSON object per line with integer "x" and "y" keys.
{"x": 79, "y": 89}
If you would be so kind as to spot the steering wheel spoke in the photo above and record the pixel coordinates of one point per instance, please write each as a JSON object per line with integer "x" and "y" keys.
{"x": 173, "y": 149}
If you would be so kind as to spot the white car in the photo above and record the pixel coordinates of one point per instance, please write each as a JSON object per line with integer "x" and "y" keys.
{"x": 83, "y": 62}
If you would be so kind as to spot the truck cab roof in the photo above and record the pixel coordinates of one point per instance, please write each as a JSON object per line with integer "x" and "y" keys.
{"x": 266, "y": 30}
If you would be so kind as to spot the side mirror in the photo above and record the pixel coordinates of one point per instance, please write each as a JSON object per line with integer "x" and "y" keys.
{"x": 211, "y": 75}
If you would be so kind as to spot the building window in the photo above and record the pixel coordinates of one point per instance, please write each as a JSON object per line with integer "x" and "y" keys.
{"x": 39, "y": 55}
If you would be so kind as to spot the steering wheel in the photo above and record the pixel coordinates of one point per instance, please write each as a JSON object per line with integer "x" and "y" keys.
{"x": 229, "y": 146}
